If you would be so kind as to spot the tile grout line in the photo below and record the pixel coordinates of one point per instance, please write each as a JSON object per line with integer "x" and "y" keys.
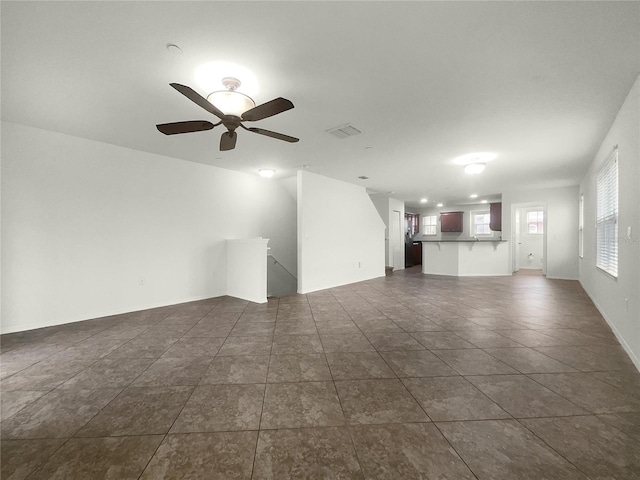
{"x": 264, "y": 397}
{"x": 179, "y": 413}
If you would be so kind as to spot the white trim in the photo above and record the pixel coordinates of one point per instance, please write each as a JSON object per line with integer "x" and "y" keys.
{"x": 473, "y": 214}
{"x": 36, "y": 325}
{"x": 635, "y": 360}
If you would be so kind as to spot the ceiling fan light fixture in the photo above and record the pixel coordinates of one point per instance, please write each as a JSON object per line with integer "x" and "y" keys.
{"x": 474, "y": 168}
{"x": 231, "y": 102}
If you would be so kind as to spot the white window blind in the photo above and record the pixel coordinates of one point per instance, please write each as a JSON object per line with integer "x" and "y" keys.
{"x": 480, "y": 223}
{"x": 607, "y": 216}
{"x": 535, "y": 222}
{"x": 581, "y": 228}
{"x": 429, "y": 223}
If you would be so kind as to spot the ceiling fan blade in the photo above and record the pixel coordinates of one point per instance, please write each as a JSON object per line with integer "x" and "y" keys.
{"x": 196, "y": 98}
{"x": 269, "y": 109}
{"x": 184, "y": 127}
{"x": 228, "y": 141}
{"x": 269, "y": 133}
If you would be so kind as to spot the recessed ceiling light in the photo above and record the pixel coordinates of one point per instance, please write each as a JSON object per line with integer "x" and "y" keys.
{"x": 483, "y": 201}
{"x": 440, "y": 205}
{"x": 473, "y": 195}
{"x": 266, "y": 172}
{"x": 423, "y": 200}
{"x": 474, "y": 168}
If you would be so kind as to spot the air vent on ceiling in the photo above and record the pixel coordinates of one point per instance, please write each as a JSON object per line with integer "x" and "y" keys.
{"x": 363, "y": 177}
{"x": 344, "y": 131}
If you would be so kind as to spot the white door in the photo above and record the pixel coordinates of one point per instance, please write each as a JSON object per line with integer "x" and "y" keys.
{"x": 523, "y": 254}
{"x": 397, "y": 241}
{"x": 531, "y": 230}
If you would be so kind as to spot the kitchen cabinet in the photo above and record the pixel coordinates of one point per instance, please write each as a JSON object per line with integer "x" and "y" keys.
{"x": 451, "y": 222}
{"x": 495, "y": 217}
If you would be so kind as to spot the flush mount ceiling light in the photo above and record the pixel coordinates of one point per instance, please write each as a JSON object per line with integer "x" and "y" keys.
{"x": 483, "y": 201}
{"x": 266, "y": 172}
{"x": 473, "y": 195}
{"x": 440, "y": 205}
{"x": 230, "y": 101}
{"x": 483, "y": 157}
{"x": 474, "y": 163}
{"x": 423, "y": 200}
{"x": 474, "y": 168}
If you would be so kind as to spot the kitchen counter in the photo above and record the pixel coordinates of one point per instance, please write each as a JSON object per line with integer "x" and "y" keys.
{"x": 469, "y": 240}
{"x": 468, "y": 257}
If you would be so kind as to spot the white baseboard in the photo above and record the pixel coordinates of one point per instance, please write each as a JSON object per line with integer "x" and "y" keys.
{"x": 4, "y": 329}
{"x": 634, "y": 359}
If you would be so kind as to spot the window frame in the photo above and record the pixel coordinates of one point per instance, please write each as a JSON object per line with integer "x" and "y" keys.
{"x": 538, "y": 222}
{"x": 581, "y": 227}
{"x": 477, "y": 213}
{"x": 426, "y": 226}
{"x": 607, "y": 204}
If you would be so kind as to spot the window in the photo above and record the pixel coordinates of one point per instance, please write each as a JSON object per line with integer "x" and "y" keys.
{"x": 607, "y": 216}
{"x": 429, "y": 224}
{"x": 413, "y": 223}
{"x": 581, "y": 228}
{"x": 535, "y": 222}
{"x": 480, "y": 223}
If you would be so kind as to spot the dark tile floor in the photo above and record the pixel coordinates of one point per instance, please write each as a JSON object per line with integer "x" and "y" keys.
{"x": 402, "y": 377}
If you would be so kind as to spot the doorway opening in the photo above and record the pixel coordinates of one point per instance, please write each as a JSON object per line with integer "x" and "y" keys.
{"x": 529, "y": 234}
{"x": 397, "y": 241}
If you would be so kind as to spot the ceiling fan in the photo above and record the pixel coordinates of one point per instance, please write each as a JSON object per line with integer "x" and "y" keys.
{"x": 235, "y": 108}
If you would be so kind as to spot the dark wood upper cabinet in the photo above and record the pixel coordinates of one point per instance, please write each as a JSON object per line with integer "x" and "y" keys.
{"x": 451, "y": 222}
{"x": 495, "y": 217}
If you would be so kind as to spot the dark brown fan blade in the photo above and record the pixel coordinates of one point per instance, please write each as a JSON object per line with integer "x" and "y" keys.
{"x": 196, "y": 98}
{"x": 228, "y": 141}
{"x": 269, "y": 109}
{"x": 184, "y": 127}
{"x": 269, "y": 133}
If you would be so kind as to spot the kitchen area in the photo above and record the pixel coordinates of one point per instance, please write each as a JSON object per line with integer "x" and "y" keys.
{"x": 463, "y": 240}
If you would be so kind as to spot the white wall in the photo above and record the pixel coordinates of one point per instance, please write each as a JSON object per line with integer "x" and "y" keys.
{"x": 340, "y": 234}
{"x": 381, "y": 202}
{"x": 618, "y": 299}
{"x": 561, "y": 205}
{"x": 385, "y": 207}
{"x": 247, "y": 269}
{"x": 84, "y": 222}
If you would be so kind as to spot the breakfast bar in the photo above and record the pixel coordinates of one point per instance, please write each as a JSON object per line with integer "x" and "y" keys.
{"x": 465, "y": 258}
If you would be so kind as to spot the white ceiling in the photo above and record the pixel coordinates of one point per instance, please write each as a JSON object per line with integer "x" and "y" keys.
{"x": 539, "y": 84}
